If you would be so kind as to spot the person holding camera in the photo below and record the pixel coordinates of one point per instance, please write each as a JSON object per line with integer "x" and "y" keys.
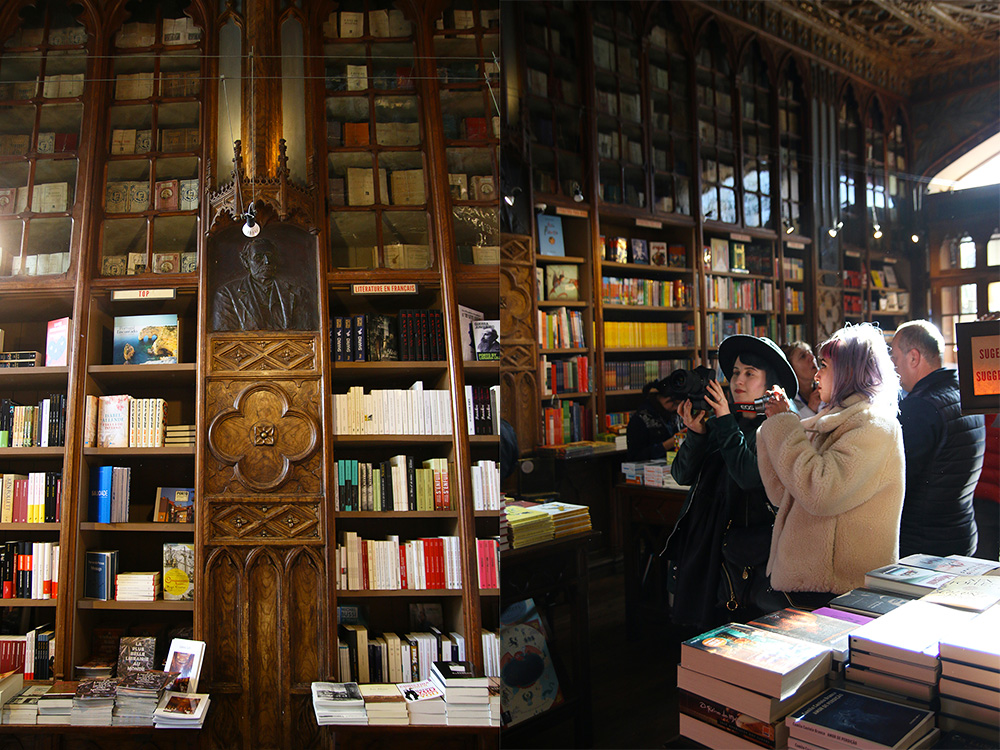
{"x": 652, "y": 428}
{"x": 719, "y": 546}
{"x": 836, "y": 478}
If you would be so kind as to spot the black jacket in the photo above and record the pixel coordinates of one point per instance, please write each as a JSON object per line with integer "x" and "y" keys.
{"x": 944, "y": 456}
{"x": 648, "y": 427}
{"x": 721, "y": 467}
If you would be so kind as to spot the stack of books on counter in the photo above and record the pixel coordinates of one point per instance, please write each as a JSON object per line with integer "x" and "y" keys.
{"x": 138, "y": 587}
{"x": 567, "y": 519}
{"x": 425, "y": 703}
{"x": 738, "y": 683}
{"x": 55, "y": 705}
{"x": 138, "y": 695}
{"x": 494, "y": 688}
{"x": 841, "y": 718}
{"x": 828, "y": 628}
{"x": 467, "y": 697}
{"x": 179, "y": 434}
{"x": 504, "y": 529}
{"x": 23, "y": 708}
{"x": 338, "y": 703}
{"x": 11, "y": 685}
{"x": 970, "y": 677}
{"x": 181, "y": 710}
{"x": 384, "y": 704}
{"x": 94, "y": 702}
{"x": 527, "y": 526}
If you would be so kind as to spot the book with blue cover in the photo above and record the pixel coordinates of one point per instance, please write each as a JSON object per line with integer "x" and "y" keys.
{"x": 99, "y": 509}
{"x": 146, "y": 340}
{"x": 844, "y": 719}
{"x": 550, "y": 235}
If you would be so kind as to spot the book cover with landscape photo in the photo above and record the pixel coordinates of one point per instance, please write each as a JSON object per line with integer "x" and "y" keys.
{"x": 146, "y": 340}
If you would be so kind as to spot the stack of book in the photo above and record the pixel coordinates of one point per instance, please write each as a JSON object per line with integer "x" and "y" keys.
{"x": 338, "y": 703}
{"x": 840, "y": 718}
{"x": 139, "y": 694}
{"x": 958, "y": 565}
{"x": 181, "y": 710}
{"x": 970, "y": 677}
{"x": 527, "y": 526}
{"x": 109, "y": 494}
{"x": 906, "y": 580}
{"x": 504, "y": 528}
{"x": 567, "y": 519}
{"x": 384, "y": 704}
{"x": 179, "y": 434}
{"x": 825, "y": 629}
{"x": 137, "y": 587}
{"x": 11, "y": 684}
{"x": 897, "y": 653}
{"x": 494, "y": 688}
{"x": 23, "y": 709}
{"x": 94, "y": 702}
{"x": 466, "y": 696}
{"x": 424, "y": 702}
{"x": 869, "y": 603}
{"x": 738, "y": 683}
{"x": 54, "y": 707}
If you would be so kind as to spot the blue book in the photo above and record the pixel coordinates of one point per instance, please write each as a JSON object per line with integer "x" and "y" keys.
{"x": 102, "y": 569}
{"x": 145, "y": 340}
{"x": 101, "y": 478}
{"x": 550, "y": 235}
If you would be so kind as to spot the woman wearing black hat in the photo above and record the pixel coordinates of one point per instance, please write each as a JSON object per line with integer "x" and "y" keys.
{"x": 651, "y": 429}
{"x": 719, "y": 546}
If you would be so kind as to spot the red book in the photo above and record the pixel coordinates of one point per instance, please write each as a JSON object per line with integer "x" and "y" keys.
{"x": 445, "y": 491}
{"x": 402, "y": 567}
{"x": 364, "y": 564}
{"x": 66, "y": 142}
{"x": 404, "y": 78}
{"x": 476, "y": 128}
{"x": 438, "y": 498}
{"x": 20, "y": 514}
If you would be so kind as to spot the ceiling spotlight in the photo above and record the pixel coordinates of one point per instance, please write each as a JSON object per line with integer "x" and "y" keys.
{"x": 251, "y": 228}
{"x": 577, "y": 193}
{"x": 914, "y": 238}
{"x": 835, "y": 229}
{"x": 510, "y": 197}
{"x": 789, "y": 227}
{"x": 877, "y": 233}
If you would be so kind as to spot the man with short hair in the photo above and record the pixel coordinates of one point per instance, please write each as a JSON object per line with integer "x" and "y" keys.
{"x": 943, "y": 449}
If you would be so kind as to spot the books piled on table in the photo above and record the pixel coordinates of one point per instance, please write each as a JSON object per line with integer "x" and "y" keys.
{"x": 958, "y": 565}
{"x": 840, "y": 718}
{"x": 139, "y": 694}
{"x": 864, "y": 601}
{"x": 384, "y": 704}
{"x": 181, "y": 710}
{"x": 737, "y": 683}
{"x": 818, "y": 628}
{"x": 494, "y": 688}
{"x": 55, "y": 705}
{"x": 137, "y": 587}
{"x": 467, "y": 697}
{"x": 338, "y": 703}
{"x": 906, "y": 580}
{"x": 504, "y": 528}
{"x": 179, "y": 434}
{"x": 898, "y": 652}
{"x": 527, "y": 526}
{"x": 94, "y": 702}
{"x": 97, "y": 667}
{"x": 424, "y": 703}
{"x": 23, "y": 709}
{"x": 11, "y": 684}
{"x": 970, "y": 677}
{"x": 567, "y": 519}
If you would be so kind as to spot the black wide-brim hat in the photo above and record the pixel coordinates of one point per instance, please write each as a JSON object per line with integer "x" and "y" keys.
{"x": 763, "y": 347}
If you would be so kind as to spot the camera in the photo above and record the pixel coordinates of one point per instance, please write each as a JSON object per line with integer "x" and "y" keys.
{"x": 688, "y": 384}
{"x": 759, "y": 405}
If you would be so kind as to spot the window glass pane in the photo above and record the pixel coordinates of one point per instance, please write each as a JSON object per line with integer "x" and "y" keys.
{"x": 968, "y": 299}
{"x": 949, "y": 300}
{"x": 967, "y": 253}
{"x": 993, "y": 296}
{"x": 993, "y": 250}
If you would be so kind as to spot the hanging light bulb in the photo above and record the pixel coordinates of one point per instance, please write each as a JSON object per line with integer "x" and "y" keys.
{"x": 577, "y": 192}
{"x": 914, "y": 238}
{"x": 877, "y": 234}
{"x": 251, "y": 228}
{"x": 835, "y": 229}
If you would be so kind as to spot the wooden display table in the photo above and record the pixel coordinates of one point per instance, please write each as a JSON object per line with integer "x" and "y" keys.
{"x": 552, "y": 572}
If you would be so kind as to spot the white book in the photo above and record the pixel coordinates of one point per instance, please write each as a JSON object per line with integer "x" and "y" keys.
{"x": 910, "y": 632}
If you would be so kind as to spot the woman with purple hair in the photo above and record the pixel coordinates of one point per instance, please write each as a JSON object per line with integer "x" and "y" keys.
{"x": 837, "y": 478}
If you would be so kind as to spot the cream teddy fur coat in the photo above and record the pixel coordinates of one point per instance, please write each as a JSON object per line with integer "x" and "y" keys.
{"x": 837, "y": 480}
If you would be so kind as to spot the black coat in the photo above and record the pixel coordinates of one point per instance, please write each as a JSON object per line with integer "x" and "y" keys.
{"x": 648, "y": 427}
{"x": 944, "y": 456}
{"x": 726, "y": 489}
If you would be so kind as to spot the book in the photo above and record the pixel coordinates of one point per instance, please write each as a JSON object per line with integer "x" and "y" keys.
{"x": 867, "y": 602}
{"x": 135, "y": 654}
{"x": 57, "y": 336}
{"x": 742, "y": 699}
{"x": 181, "y": 708}
{"x": 918, "y": 672}
{"x": 178, "y": 571}
{"x": 167, "y": 262}
{"x": 766, "y": 662}
{"x": 976, "y": 593}
{"x": 974, "y": 642}
{"x": 525, "y": 692}
{"x": 550, "y": 235}
{"x": 770, "y": 734}
{"x": 855, "y": 673}
{"x": 720, "y": 255}
{"x": 710, "y": 735}
{"x": 562, "y": 282}
{"x": 902, "y": 579}
{"x": 174, "y": 505}
{"x": 486, "y": 339}
{"x": 809, "y": 626}
{"x": 639, "y": 251}
{"x": 839, "y": 718}
{"x": 466, "y": 317}
{"x": 910, "y": 633}
{"x": 113, "y": 421}
{"x": 185, "y": 658}
{"x": 954, "y": 564}
{"x": 146, "y": 339}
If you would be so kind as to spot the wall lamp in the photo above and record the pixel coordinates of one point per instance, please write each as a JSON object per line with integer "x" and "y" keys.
{"x": 789, "y": 227}
{"x": 510, "y": 197}
{"x": 577, "y": 193}
{"x": 877, "y": 231}
{"x": 835, "y": 229}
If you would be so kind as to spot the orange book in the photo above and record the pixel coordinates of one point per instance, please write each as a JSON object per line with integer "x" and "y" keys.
{"x": 355, "y": 133}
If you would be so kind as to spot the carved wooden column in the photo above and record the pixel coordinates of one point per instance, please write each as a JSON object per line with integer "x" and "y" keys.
{"x": 519, "y": 394}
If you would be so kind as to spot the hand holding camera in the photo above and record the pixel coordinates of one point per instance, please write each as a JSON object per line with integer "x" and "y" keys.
{"x": 777, "y": 401}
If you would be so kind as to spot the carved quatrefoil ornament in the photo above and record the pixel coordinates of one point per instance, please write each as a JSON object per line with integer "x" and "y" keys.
{"x": 261, "y": 436}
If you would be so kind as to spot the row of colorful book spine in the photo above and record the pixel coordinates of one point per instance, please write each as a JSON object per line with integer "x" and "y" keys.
{"x": 40, "y": 426}
{"x": 396, "y": 484}
{"x": 745, "y": 294}
{"x": 620, "y": 334}
{"x": 29, "y": 570}
{"x": 120, "y": 421}
{"x": 646, "y": 292}
{"x": 568, "y": 423}
{"x": 429, "y": 563}
{"x": 413, "y": 411}
{"x": 35, "y": 497}
{"x": 565, "y": 375}
{"x": 630, "y": 375}
{"x": 561, "y": 329}
{"x": 29, "y": 654}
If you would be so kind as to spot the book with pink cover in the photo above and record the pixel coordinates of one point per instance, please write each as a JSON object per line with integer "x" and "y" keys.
{"x": 112, "y": 424}
{"x": 57, "y": 342}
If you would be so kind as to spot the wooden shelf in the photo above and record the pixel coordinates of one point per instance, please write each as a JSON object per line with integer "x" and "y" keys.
{"x": 28, "y": 602}
{"x": 30, "y": 526}
{"x": 399, "y": 593}
{"x": 389, "y": 440}
{"x": 585, "y": 350}
{"x": 170, "y": 450}
{"x": 56, "y": 452}
{"x": 484, "y": 439}
{"x": 155, "y": 606}
{"x": 646, "y": 308}
{"x": 144, "y": 526}
{"x": 634, "y": 349}
{"x": 559, "y": 259}
{"x": 395, "y": 514}
{"x": 645, "y": 268}
{"x": 563, "y": 303}
{"x": 33, "y": 377}
{"x": 144, "y": 375}
{"x": 567, "y": 394}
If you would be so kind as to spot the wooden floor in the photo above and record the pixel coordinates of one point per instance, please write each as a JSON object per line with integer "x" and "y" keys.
{"x": 633, "y": 681}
